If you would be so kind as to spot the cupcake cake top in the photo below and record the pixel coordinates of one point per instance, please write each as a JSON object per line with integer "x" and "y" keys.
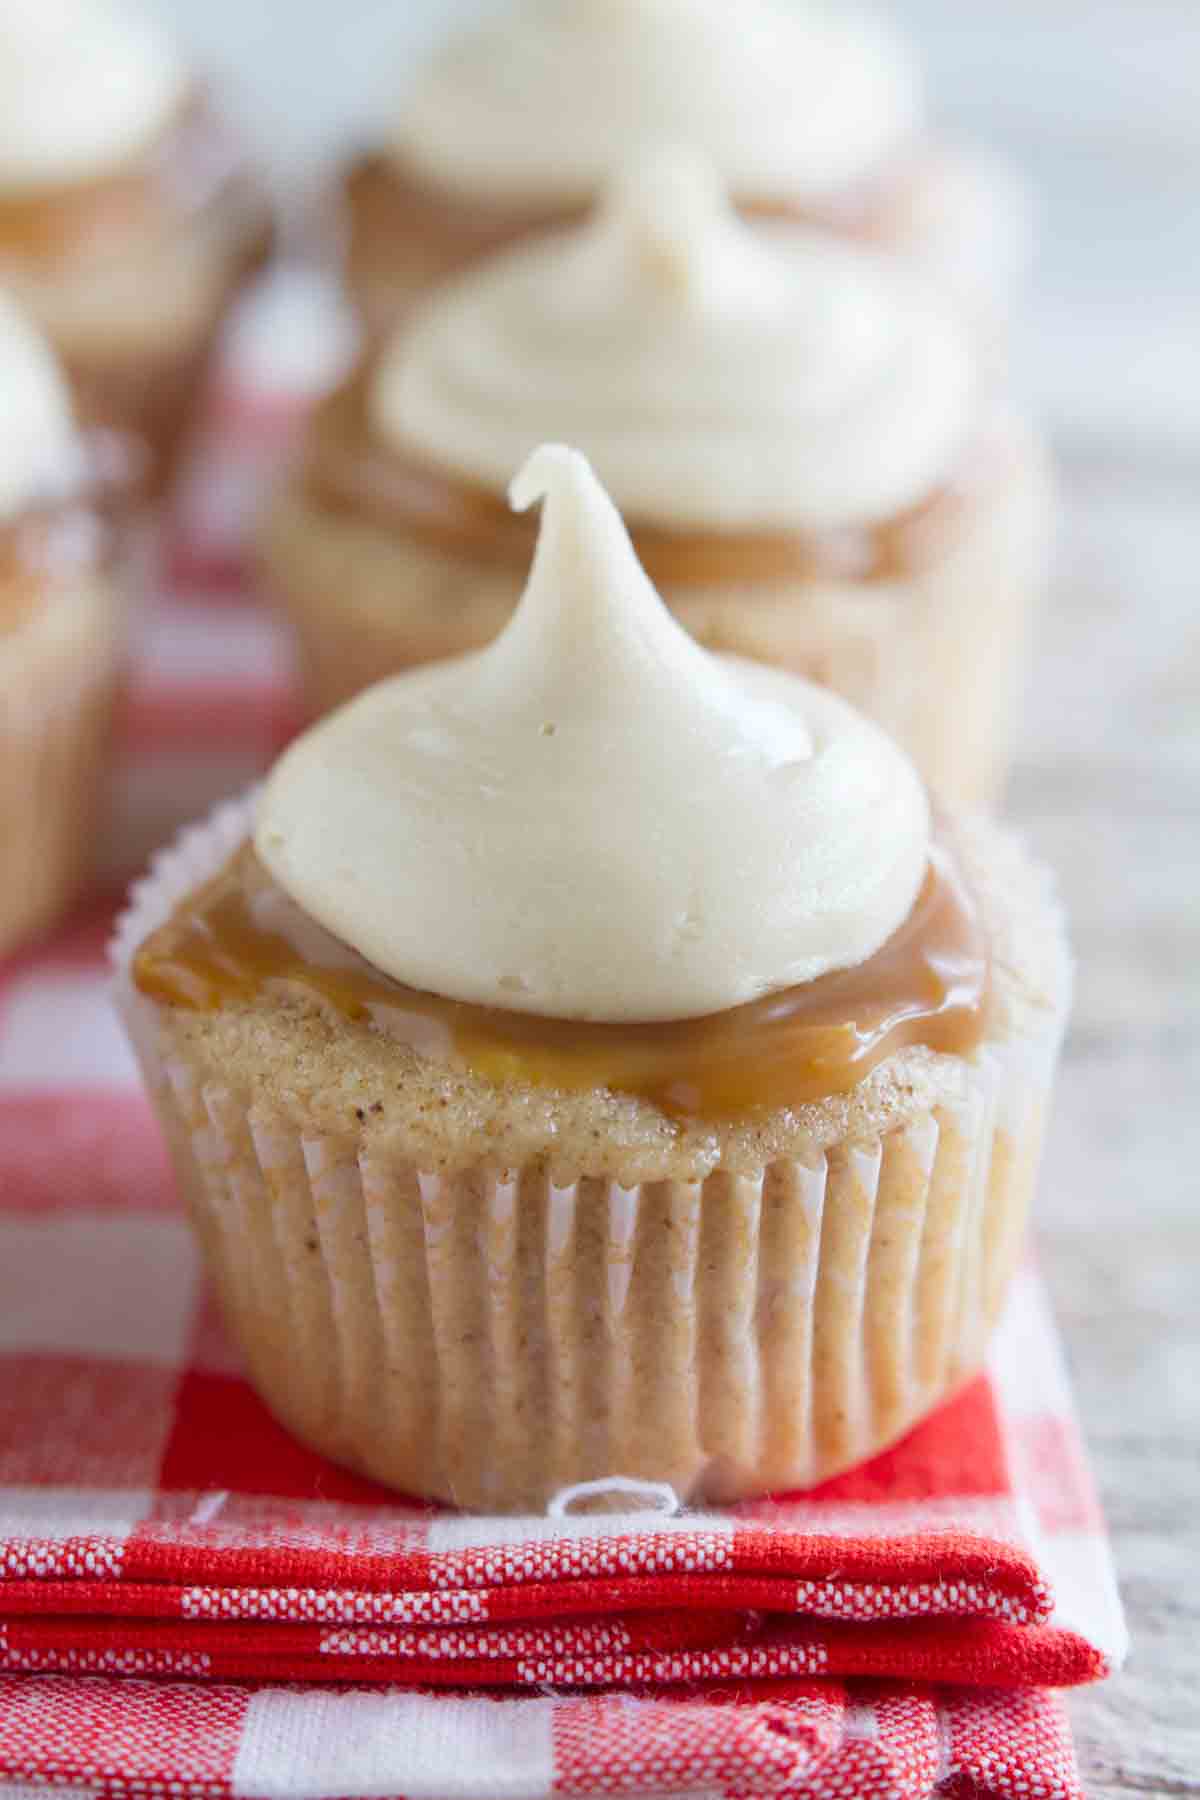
{"x": 40, "y": 452}
{"x": 84, "y": 86}
{"x": 720, "y": 374}
{"x": 594, "y": 818}
{"x": 791, "y": 101}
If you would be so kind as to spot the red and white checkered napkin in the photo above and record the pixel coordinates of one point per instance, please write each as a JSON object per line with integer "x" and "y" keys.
{"x": 896, "y": 1633}
{"x": 108, "y": 1740}
{"x": 154, "y": 1521}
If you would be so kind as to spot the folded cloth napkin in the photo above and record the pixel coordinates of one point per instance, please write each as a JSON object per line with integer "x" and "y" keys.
{"x": 803, "y": 1741}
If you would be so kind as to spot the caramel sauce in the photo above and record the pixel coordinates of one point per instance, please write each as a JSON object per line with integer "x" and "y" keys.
{"x": 349, "y": 470}
{"x": 390, "y": 208}
{"x": 179, "y": 173}
{"x": 240, "y": 937}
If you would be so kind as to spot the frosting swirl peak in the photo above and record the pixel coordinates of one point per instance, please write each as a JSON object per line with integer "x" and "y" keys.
{"x": 594, "y": 818}
{"x": 720, "y": 374}
{"x": 790, "y": 101}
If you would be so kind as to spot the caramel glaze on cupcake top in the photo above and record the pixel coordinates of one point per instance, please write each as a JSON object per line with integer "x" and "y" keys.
{"x": 595, "y": 856}
{"x": 44, "y": 527}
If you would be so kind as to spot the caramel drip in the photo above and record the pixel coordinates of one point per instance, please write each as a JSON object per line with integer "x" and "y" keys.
{"x": 240, "y": 937}
{"x": 350, "y": 471}
{"x": 390, "y": 207}
{"x": 178, "y": 172}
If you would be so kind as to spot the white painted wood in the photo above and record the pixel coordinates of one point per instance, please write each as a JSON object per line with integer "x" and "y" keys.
{"x": 1108, "y": 788}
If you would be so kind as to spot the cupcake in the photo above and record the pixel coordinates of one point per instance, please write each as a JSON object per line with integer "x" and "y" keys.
{"x": 808, "y": 112}
{"x": 595, "y": 1057}
{"x": 814, "y": 469}
{"x": 61, "y": 615}
{"x": 127, "y": 217}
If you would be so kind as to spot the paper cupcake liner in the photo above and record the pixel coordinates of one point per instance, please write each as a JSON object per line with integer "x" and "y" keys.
{"x": 936, "y": 657}
{"x": 59, "y": 680}
{"x": 489, "y": 1337}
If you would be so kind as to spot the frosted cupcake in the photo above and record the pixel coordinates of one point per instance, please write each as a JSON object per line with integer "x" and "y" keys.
{"x": 796, "y": 430}
{"x": 127, "y": 217}
{"x": 808, "y": 112}
{"x": 61, "y": 617}
{"x": 592, "y": 1056}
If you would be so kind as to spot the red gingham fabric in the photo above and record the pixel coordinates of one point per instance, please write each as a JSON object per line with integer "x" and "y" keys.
{"x": 800, "y": 1741}
{"x": 156, "y": 1522}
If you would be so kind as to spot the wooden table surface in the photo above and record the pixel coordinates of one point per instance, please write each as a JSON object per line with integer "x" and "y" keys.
{"x": 1108, "y": 788}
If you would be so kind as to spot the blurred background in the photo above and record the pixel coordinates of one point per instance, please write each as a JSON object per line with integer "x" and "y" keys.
{"x": 1100, "y": 99}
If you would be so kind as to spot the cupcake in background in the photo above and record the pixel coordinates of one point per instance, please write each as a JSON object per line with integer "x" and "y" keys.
{"x": 285, "y": 347}
{"x": 815, "y": 471}
{"x": 593, "y": 1056}
{"x": 128, "y": 216}
{"x": 808, "y": 112}
{"x": 61, "y": 637}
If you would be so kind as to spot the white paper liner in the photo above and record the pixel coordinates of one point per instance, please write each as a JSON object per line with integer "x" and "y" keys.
{"x": 491, "y": 1337}
{"x": 177, "y": 869}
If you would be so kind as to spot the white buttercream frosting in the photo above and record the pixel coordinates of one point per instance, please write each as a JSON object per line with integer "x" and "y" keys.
{"x": 40, "y": 451}
{"x": 718, "y": 374}
{"x": 791, "y": 101}
{"x": 595, "y": 818}
{"x": 84, "y": 85}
